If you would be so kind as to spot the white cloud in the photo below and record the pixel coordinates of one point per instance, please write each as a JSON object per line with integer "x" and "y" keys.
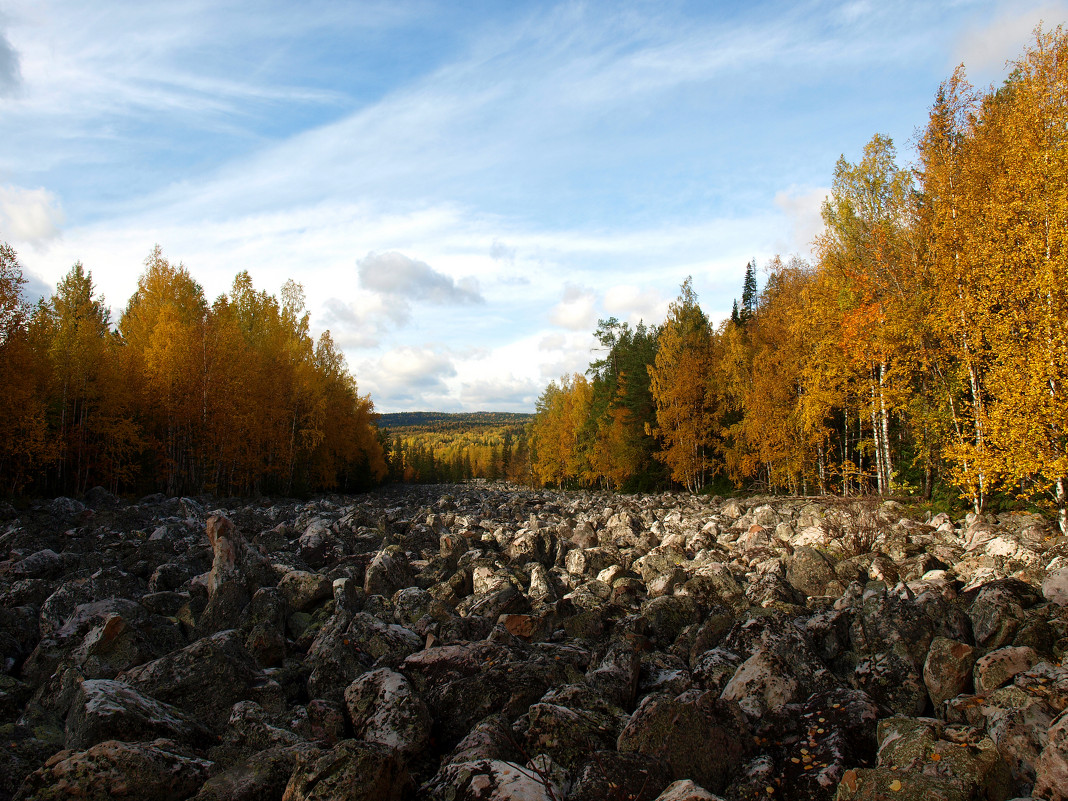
{"x": 396, "y": 275}
{"x": 802, "y": 209}
{"x": 576, "y": 311}
{"x": 406, "y": 375}
{"x": 29, "y": 215}
{"x": 554, "y": 341}
{"x": 499, "y": 251}
{"x": 635, "y": 305}
{"x": 353, "y": 325}
{"x": 505, "y": 392}
{"x": 985, "y": 49}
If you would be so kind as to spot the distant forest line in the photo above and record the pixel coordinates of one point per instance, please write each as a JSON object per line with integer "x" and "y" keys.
{"x": 437, "y": 447}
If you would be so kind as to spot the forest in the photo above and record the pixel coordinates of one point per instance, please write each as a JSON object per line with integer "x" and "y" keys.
{"x": 181, "y": 397}
{"x": 923, "y": 352}
{"x": 438, "y": 447}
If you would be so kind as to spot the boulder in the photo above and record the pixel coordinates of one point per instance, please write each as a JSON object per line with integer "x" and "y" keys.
{"x": 383, "y": 708}
{"x": 159, "y": 770}
{"x": 609, "y": 774}
{"x": 1000, "y": 666}
{"x": 204, "y": 679}
{"x": 695, "y": 735}
{"x": 1051, "y": 781}
{"x": 998, "y": 610}
{"x": 105, "y": 709}
{"x": 686, "y": 790}
{"x": 809, "y": 571}
{"x": 947, "y": 671}
{"x": 303, "y": 590}
{"x": 350, "y": 771}
{"x": 262, "y": 776}
{"x": 348, "y": 645}
{"x": 388, "y": 572}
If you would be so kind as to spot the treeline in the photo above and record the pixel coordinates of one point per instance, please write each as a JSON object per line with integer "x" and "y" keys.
{"x": 925, "y": 350}
{"x": 181, "y": 396}
{"x": 437, "y": 447}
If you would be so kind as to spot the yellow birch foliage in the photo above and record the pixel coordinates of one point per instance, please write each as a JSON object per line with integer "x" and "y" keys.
{"x": 679, "y": 381}
{"x": 559, "y": 455}
{"x": 1021, "y": 232}
{"x": 24, "y": 444}
{"x": 766, "y": 357}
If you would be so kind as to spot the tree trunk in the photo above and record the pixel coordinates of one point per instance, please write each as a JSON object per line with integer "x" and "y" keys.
{"x": 1061, "y": 491}
{"x": 884, "y": 421}
{"x": 876, "y": 435}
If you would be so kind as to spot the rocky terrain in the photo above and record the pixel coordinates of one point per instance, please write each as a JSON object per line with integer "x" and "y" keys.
{"x": 486, "y": 642}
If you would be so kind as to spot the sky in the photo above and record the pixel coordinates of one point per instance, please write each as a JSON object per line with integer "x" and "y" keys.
{"x": 462, "y": 189}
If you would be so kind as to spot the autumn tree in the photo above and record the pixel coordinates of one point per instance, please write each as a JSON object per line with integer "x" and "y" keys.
{"x": 163, "y": 327}
{"x": 867, "y": 245}
{"x": 558, "y": 453}
{"x": 24, "y": 444}
{"x": 961, "y": 354}
{"x": 621, "y": 407}
{"x": 1013, "y": 202}
{"x": 761, "y": 372}
{"x": 90, "y": 421}
{"x": 679, "y": 382}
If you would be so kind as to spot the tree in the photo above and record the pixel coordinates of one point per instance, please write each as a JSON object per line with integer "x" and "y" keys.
{"x": 1017, "y": 164}
{"x": 960, "y": 355}
{"x": 559, "y": 455}
{"x": 94, "y": 435}
{"x": 749, "y": 292}
{"x": 680, "y": 391}
{"x": 867, "y": 244}
{"x": 164, "y": 326}
{"x": 24, "y": 445}
{"x": 761, "y": 372}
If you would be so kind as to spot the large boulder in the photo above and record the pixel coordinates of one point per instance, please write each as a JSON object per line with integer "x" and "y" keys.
{"x": 947, "y": 672}
{"x": 383, "y": 708}
{"x": 347, "y": 645}
{"x": 388, "y": 572}
{"x": 237, "y": 571}
{"x": 158, "y": 770}
{"x": 105, "y": 709}
{"x": 810, "y": 571}
{"x": 493, "y": 780}
{"x": 204, "y": 679}
{"x": 350, "y": 771}
{"x": 695, "y": 735}
{"x": 1052, "y": 768}
{"x": 261, "y": 777}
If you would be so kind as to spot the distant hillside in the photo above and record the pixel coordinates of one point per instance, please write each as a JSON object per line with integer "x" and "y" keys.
{"x": 432, "y": 447}
{"x": 452, "y": 421}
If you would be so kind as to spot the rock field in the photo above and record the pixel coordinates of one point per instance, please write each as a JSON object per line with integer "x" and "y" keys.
{"x": 489, "y": 642}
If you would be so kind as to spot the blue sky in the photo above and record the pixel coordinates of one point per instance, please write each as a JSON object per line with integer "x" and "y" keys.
{"x": 463, "y": 189}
